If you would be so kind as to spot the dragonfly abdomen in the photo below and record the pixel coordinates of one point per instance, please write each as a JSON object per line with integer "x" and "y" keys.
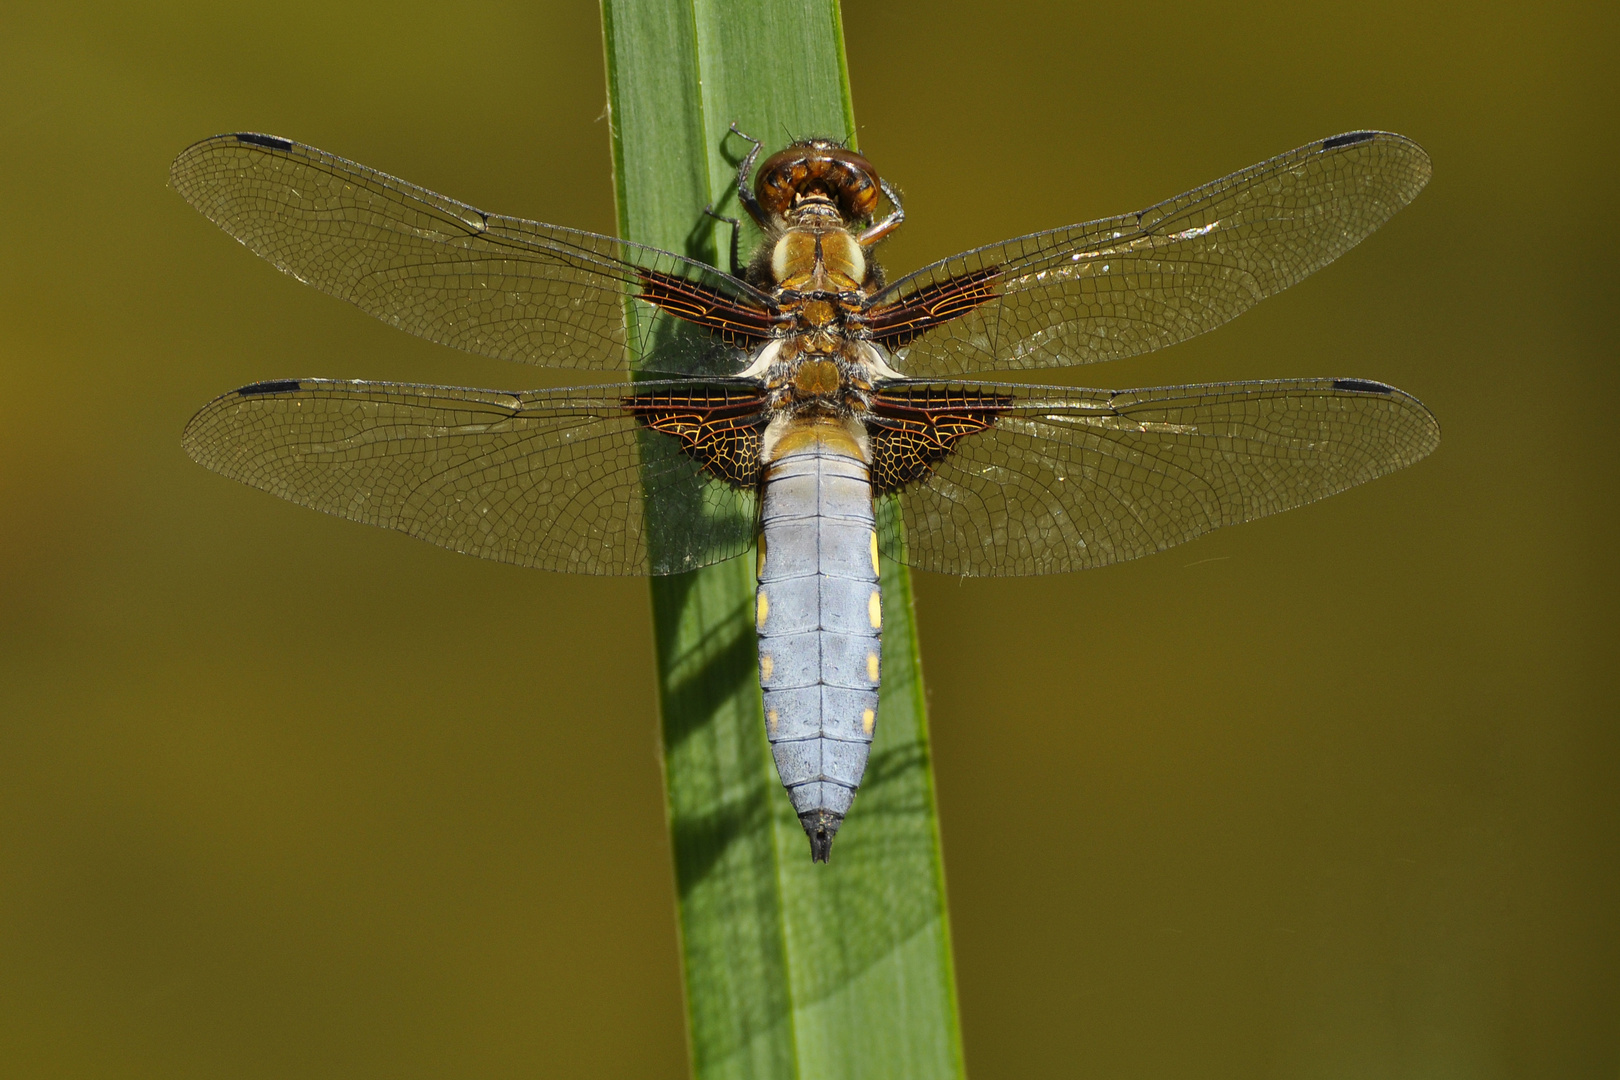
{"x": 819, "y": 616}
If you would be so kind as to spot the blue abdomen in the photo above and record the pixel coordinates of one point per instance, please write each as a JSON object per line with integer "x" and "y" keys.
{"x": 819, "y": 615}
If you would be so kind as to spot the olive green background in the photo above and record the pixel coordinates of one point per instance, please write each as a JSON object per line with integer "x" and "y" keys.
{"x": 1329, "y": 795}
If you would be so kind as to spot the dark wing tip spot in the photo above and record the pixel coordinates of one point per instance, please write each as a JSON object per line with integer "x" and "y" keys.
{"x": 269, "y": 142}
{"x": 1349, "y": 139}
{"x": 1362, "y": 386}
{"x": 273, "y": 386}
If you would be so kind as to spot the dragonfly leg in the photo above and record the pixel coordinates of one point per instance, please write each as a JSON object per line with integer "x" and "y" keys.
{"x": 888, "y": 224}
{"x": 736, "y": 264}
{"x": 745, "y": 194}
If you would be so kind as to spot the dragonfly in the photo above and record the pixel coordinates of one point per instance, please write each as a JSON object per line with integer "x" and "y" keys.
{"x": 798, "y": 405}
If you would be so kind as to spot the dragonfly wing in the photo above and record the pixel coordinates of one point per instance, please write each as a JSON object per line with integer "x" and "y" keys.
{"x": 1010, "y": 480}
{"x": 440, "y": 269}
{"x": 551, "y": 478}
{"x": 1138, "y": 282}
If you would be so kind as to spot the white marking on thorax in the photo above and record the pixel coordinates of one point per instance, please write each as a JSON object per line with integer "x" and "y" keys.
{"x": 873, "y": 359}
{"x": 762, "y": 360}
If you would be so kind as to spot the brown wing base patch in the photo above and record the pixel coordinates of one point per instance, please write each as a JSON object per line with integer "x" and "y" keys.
{"x": 719, "y": 429}
{"x": 897, "y": 325}
{"x": 914, "y": 430}
{"x": 737, "y": 323}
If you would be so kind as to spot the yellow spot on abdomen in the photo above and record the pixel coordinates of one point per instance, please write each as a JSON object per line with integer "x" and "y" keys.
{"x": 761, "y": 571}
{"x": 872, "y": 666}
{"x": 874, "y": 553}
{"x": 868, "y": 720}
{"x": 763, "y": 608}
{"x": 766, "y": 666}
{"x": 770, "y": 721}
{"x": 874, "y": 610}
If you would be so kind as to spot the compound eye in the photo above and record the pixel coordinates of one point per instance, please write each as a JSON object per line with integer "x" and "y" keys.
{"x": 858, "y": 197}
{"x": 851, "y": 180}
{"x": 779, "y": 179}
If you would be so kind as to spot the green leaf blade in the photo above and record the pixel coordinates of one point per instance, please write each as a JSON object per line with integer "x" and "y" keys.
{"x": 792, "y": 969}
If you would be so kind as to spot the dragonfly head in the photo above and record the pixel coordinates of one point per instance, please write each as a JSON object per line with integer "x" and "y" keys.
{"x": 818, "y": 170}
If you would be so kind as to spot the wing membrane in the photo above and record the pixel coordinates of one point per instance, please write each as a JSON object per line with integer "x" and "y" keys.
{"x": 1067, "y": 479}
{"x": 1130, "y": 284}
{"x": 498, "y": 286}
{"x": 551, "y": 478}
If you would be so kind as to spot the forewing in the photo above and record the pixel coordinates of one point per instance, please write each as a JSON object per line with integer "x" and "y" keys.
{"x": 1127, "y": 285}
{"x": 550, "y": 478}
{"x": 498, "y": 286}
{"x": 1041, "y": 480}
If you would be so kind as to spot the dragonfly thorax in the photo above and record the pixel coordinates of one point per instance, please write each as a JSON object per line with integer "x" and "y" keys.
{"x": 820, "y": 276}
{"x": 819, "y": 255}
{"x": 811, "y": 381}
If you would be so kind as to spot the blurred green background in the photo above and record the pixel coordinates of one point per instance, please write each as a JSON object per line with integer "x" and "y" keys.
{"x": 1329, "y": 795}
